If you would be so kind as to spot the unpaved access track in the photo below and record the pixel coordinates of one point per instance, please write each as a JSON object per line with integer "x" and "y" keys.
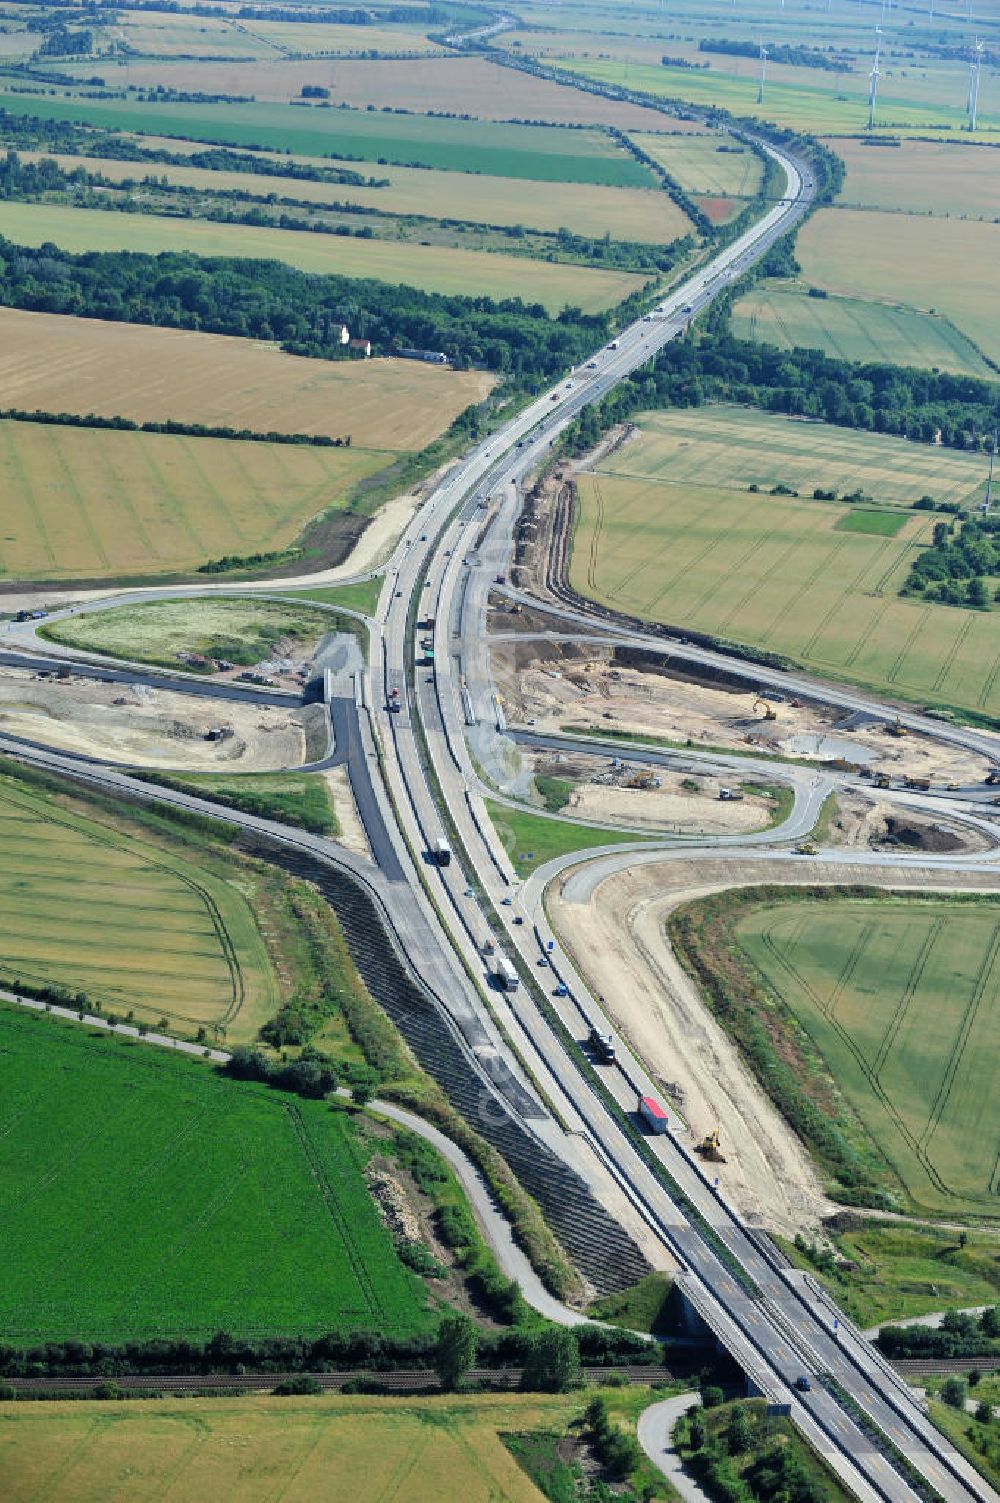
{"x": 618, "y": 940}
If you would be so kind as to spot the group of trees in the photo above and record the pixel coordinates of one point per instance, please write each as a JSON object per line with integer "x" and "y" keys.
{"x": 958, "y": 1335}
{"x": 923, "y": 405}
{"x": 550, "y": 1358}
{"x": 303, "y": 312}
{"x": 741, "y": 1465}
{"x": 954, "y": 569}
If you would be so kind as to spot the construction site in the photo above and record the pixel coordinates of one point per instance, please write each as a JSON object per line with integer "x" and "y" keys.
{"x": 152, "y": 727}
{"x": 621, "y": 690}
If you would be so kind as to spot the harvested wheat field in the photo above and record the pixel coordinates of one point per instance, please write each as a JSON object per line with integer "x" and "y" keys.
{"x": 237, "y": 1449}
{"x": 61, "y": 364}
{"x": 97, "y": 504}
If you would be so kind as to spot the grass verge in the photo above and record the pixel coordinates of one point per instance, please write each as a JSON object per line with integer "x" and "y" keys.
{"x": 301, "y": 799}
{"x": 531, "y": 839}
{"x": 885, "y": 1271}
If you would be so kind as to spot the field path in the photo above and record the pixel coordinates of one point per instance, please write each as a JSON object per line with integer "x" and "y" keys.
{"x": 655, "y": 1432}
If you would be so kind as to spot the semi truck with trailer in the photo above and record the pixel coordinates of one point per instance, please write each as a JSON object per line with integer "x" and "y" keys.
{"x": 603, "y": 1045}
{"x": 653, "y": 1115}
{"x": 504, "y": 974}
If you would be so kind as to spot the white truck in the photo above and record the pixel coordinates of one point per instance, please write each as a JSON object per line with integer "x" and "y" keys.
{"x": 441, "y": 853}
{"x": 505, "y": 975}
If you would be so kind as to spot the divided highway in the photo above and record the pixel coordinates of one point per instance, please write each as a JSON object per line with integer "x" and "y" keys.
{"x": 416, "y": 782}
{"x": 779, "y": 1326}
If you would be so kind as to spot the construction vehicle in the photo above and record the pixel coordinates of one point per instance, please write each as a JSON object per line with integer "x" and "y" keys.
{"x": 770, "y": 713}
{"x": 730, "y": 796}
{"x": 921, "y": 784}
{"x": 710, "y": 1148}
{"x": 807, "y": 848}
{"x": 993, "y": 776}
{"x": 882, "y": 780}
{"x": 643, "y": 779}
{"x": 897, "y": 728}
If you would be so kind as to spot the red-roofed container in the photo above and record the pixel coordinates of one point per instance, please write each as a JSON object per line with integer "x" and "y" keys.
{"x": 652, "y": 1114}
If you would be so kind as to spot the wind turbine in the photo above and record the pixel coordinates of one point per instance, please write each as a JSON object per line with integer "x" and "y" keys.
{"x": 874, "y": 77}
{"x": 763, "y": 73}
{"x": 989, "y": 483}
{"x": 975, "y": 68}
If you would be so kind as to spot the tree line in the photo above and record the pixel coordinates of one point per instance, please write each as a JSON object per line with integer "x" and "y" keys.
{"x": 269, "y": 300}
{"x": 172, "y": 426}
{"x": 929, "y": 407}
{"x": 778, "y": 52}
{"x": 370, "y": 1350}
{"x": 958, "y": 1335}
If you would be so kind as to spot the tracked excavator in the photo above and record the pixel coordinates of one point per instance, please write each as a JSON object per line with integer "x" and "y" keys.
{"x": 770, "y": 713}
{"x": 710, "y": 1148}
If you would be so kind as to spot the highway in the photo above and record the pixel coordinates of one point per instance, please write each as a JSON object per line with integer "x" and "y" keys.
{"x": 779, "y": 1326}
{"x": 416, "y": 782}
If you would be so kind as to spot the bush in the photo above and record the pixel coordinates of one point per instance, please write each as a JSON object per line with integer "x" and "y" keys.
{"x": 306, "y": 1383}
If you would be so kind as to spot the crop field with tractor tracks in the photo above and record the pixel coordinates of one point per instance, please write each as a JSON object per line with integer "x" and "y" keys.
{"x": 134, "y": 925}
{"x": 668, "y": 531}
{"x": 901, "y": 1001}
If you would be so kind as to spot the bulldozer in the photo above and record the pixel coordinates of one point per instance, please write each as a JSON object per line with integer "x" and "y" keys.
{"x": 710, "y": 1148}
{"x": 770, "y": 713}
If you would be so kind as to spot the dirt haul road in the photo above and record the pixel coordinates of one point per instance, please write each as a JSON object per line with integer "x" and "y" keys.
{"x": 618, "y": 940}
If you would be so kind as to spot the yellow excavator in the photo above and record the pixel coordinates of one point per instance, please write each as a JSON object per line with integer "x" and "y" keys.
{"x": 770, "y": 713}
{"x": 897, "y": 729}
{"x": 710, "y": 1148}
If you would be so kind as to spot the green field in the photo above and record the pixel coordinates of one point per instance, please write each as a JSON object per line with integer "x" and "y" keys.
{"x": 85, "y": 503}
{"x": 668, "y": 531}
{"x": 253, "y": 1449}
{"x": 876, "y": 524}
{"x": 143, "y": 1195}
{"x": 295, "y": 798}
{"x": 431, "y": 268}
{"x": 530, "y": 839}
{"x": 166, "y": 632}
{"x": 132, "y": 923}
{"x": 362, "y": 596}
{"x": 910, "y": 259}
{"x": 803, "y": 98}
{"x": 642, "y": 214}
{"x": 892, "y": 1270}
{"x": 902, "y": 1000}
{"x": 705, "y": 164}
{"x": 853, "y": 329}
{"x": 540, "y": 153}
